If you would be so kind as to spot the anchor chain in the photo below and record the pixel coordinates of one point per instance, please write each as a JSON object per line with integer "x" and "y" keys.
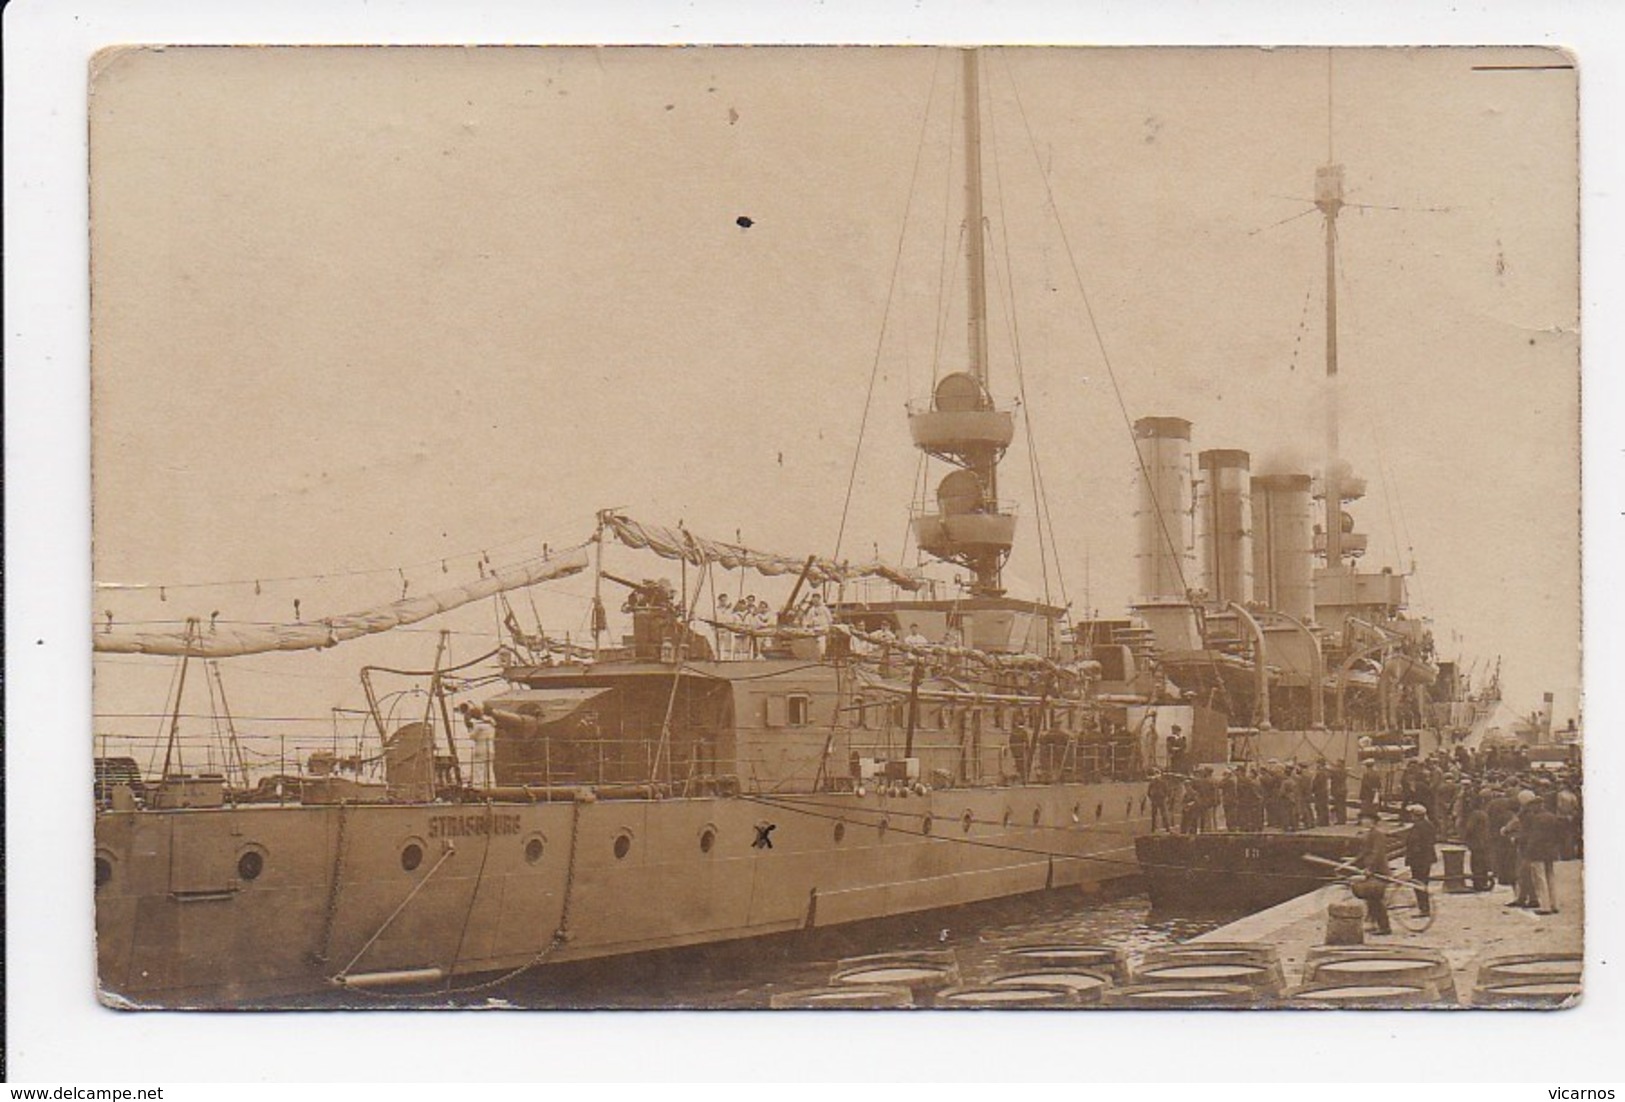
{"x": 322, "y": 955}
{"x": 561, "y": 935}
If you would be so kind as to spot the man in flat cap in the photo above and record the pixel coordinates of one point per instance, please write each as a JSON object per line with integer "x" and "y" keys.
{"x": 1373, "y": 887}
{"x": 1419, "y": 853}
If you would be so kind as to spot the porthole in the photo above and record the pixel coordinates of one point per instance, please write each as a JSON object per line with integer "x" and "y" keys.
{"x": 926, "y": 824}
{"x": 966, "y": 821}
{"x": 884, "y": 825}
{"x": 1100, "y": 809}
{"x": 411, "y": 856}
{"x": 250, "y": 865}
{"x": 1077, "y": 813}
{"x": 1038, "y": 815}
{"x": 104, "y": 871}
{"x": 1007, "y": 818}
{"x": 623, "y": 845}
{"x": 708, "y": 839}
{"x": 534, "y": 850}
{"x": 840, "y": 832}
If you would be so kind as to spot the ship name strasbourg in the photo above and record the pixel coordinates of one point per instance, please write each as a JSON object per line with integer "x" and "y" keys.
{"x": 472, "y": 826}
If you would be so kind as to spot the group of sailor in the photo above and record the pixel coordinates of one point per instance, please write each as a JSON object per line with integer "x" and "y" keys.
{"x": 741, "y": 624}
{"x": 1273, "y": 795}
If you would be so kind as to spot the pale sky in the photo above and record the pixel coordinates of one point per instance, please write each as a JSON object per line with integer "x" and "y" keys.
{"x": 357, "y": 310}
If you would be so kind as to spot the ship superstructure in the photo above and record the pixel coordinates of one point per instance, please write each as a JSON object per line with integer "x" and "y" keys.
{"x": 699, "y": 778}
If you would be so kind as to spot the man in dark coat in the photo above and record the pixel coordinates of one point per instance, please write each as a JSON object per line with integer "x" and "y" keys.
{"x": 1419, "y": 854}
{"x": 1545, "y": 847}
{"x": 1518, "y": 831}
{"x": 1295, "y": 787}
{"x": 1229, "y": 800}
{"x": 1178, "y": 745}
{"x": 1501, "y": 809}
{"x": 1250, "y": 799}
{"x": 1480, "y": 846}
{"x": 1190, "y": 821}
{"x": 1443, "y": 809}
{"x": 1373, "y": 859}
{"x": 1320, "y": 792}
{"x": 1339, "y": 782}
{"x": 1156, "y": 791}
{"x": 1274, "y": 807}
{"x": 1207, "y": 799}
{"x": 1370, "y": 789}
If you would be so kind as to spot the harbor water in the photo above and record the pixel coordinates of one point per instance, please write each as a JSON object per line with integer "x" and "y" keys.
{"x": 746, "y": 975}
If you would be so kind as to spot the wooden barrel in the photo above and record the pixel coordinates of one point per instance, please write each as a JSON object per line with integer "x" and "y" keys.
{"x": 1217, "y": 952}
{"x": 995, "y": 996}
{"x": 1266, "y": 957}
{"x": 944, "y": 957}
{"x": 1067, "y": 955}
{"x": 1370, "y": 965}
{"x": 1188, "y": 996}
{"x": 1262, "y": 978}
{"x": 1319, "y": 953}
{"x": 1545, "y": 995}
{"x": 1444, "y": 977}
{"x": 1530, "y": 968}
{"x": 920, "y": 977}
{"x": 1084, "y": 986}
{"x": 1371, "y": 996}
{"x": 844, "y": 998}
{"x": 1261, "y": 949}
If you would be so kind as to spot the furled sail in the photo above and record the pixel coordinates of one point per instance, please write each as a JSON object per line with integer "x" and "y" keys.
{"x": 679, "y": 543}
{"x": 228, "y": 641}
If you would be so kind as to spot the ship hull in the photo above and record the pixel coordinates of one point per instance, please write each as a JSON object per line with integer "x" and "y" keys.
{"x": 1233, "y": 873}
{"x": 499, "y": 887}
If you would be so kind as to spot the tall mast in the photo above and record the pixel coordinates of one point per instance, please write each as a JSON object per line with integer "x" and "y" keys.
{"x": 987, "y": 566}
{"x": 1329, "y": 198}
{"x": 963, "y": 427}
{"x": 976, "y": 268}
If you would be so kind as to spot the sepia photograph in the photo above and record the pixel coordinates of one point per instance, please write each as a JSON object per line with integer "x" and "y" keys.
{"x": 836, "y": 527}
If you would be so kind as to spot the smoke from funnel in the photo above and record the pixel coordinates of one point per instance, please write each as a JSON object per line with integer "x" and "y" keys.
{"x": 1283, "y": 459}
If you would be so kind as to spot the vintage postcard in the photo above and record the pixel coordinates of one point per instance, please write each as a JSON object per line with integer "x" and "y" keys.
{"x": 1059, "y": 528}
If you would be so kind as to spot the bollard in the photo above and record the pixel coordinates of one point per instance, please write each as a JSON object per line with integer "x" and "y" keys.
{"x": 1345, "y": 922}
{"x": 1455, "y": 869}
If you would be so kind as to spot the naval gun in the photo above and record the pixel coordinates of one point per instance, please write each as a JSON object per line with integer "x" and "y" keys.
{"x": 659, "y": 622}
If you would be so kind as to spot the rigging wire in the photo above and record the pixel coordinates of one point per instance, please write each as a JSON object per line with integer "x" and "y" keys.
{"x": 481, "y": 556}
{"x": 885, "y": 314}
{"x": 1094, "y": 328}
{"x": 1303, "y": 328}
{"x": 948, "y": 263}
{"x": 1111, "y": 372}
{"x": 1390, "y": 485}
{"x": 1040, "y": 496}
{"x": 1026, "y": 409}
{"x": 1289, "y": 218}
{"x": 917, "y": 500}
{"x": 945, "y": 306}
{"x": 175, "y": 673}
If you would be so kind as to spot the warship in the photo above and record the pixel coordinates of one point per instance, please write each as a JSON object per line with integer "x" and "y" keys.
{"x": 879, "y": 744}
{"x": 1317, "y": 661}
{"x": 704, "y": 777}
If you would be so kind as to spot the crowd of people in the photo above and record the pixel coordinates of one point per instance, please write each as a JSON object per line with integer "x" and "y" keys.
{"x": 1516, "y": 820}
{"x": 1273, "y": 795}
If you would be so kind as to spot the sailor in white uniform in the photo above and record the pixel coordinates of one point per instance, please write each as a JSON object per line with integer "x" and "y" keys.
{"x": 484, "y": 734}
